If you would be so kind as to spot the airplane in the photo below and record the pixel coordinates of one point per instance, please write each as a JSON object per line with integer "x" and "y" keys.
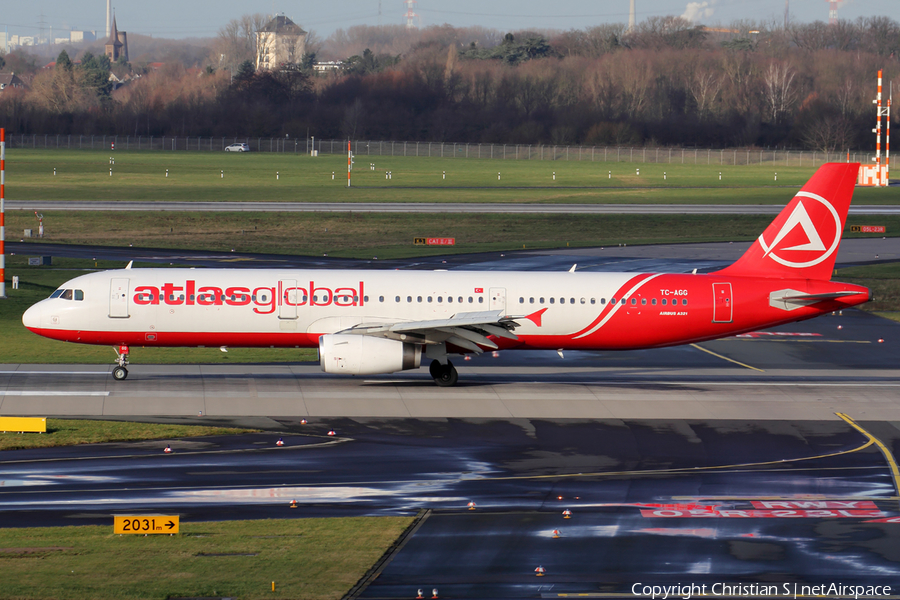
{"x": 367, "y": 322}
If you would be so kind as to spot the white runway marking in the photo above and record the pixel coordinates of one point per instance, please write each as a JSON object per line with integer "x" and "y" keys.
{"x": 50, "y": 393}
{"x": 54, "y": 372}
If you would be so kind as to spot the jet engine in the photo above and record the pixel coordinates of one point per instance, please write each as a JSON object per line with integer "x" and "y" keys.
{"x": 348, "y": 354}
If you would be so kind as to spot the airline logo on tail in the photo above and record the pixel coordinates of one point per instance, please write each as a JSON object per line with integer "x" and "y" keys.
{"x": 809, "y": 235}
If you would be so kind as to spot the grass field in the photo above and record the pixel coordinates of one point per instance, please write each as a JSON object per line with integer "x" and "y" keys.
{"x": 195, "y": 176}
{"x": 308, "y": 559}
{"x": 389, "y": 235}
{"x": 71, "y": 432}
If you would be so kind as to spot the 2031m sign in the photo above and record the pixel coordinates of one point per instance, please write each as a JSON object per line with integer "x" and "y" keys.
{"x": 145, "y": 524}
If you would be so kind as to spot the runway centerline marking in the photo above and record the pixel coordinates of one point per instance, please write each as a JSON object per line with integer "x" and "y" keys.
{"x": 698, "y": 347}
{"x": 895, "y": 472}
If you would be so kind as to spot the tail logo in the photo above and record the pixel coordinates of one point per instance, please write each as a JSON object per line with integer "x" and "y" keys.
{"x": 807, "y": 247}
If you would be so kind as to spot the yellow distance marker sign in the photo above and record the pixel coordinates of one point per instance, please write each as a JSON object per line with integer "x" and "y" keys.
{"x": 145, "y": 525}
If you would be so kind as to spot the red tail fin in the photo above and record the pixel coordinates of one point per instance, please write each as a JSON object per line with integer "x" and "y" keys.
{"x": 802, "y": 242}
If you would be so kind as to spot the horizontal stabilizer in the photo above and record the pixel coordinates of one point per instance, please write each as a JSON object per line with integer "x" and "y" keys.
{"x": 794, "y": 299}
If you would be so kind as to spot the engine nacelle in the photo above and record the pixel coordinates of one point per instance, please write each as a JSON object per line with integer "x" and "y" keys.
{"x": 364, "y": 355}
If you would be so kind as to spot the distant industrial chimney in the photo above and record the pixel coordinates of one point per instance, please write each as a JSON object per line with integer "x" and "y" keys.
{"x": 631, "y": 17}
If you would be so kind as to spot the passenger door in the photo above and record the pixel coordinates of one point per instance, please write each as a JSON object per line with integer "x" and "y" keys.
{"x": 722, "y": 303}
{"x": 118, "y": 298}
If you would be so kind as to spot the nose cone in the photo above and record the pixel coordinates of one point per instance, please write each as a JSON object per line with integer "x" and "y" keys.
{"x": 32, "y": 317}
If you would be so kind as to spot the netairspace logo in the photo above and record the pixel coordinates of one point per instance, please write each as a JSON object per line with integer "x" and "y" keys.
{"x": 785, "y": 590}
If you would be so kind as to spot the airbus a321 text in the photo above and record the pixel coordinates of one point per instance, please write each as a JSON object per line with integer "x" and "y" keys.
{"x": 372, "y": 322}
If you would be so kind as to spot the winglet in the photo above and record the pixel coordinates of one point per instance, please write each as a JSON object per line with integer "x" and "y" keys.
{"x": 130, "y": 262}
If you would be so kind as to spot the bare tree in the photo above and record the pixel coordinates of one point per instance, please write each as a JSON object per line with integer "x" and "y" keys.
{"x": 236, "y": 42}
{"x": 780, "y": 91}
{"x": 705, "y": 86}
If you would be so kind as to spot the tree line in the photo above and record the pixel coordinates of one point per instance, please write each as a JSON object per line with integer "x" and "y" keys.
{"x": 667, "y": 83}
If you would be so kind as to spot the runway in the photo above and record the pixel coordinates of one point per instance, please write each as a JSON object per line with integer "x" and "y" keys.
{"x": 428, "y": 207}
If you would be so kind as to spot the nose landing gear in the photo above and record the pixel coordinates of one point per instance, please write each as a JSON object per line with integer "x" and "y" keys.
{"x": 120, "y": 372}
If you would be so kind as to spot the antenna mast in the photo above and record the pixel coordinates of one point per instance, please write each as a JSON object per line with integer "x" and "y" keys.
{"x": 411, "y": 16}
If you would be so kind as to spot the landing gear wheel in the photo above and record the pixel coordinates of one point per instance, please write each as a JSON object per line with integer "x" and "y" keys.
{"x": 119, "y": 373}
{"x": 446, "y": 375}
{"x": 434, "y": 369}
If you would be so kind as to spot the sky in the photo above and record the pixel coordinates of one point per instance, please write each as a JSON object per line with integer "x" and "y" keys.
{"x": 203, "y": 18}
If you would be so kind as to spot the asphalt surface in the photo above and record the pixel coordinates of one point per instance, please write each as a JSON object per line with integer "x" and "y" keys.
{"x": 428, "y": 207}
{"x": 653, "y": 501}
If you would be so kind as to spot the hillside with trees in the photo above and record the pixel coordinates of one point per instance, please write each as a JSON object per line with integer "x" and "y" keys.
{"x": 666, "y": 83}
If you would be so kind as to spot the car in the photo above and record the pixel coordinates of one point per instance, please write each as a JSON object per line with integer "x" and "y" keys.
{"x": 237, "y": 148}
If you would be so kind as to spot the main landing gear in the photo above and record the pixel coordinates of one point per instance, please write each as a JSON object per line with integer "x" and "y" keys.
{"x": 443, "y": 375}
{"x": 120, "y": 372}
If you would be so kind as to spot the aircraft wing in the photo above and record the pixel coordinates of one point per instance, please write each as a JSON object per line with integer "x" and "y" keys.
{"x": 465, "y": 330}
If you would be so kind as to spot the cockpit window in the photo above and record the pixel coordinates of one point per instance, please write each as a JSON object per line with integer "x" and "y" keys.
{"x": 79, "y": 295}
{"x": 66, "y": 295}
{"x": 57, "y": 293}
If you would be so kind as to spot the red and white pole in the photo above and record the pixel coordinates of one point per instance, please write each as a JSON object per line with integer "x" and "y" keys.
{"x": 878, "y": 135}
{"x": 2, "y": 213}
{"x": 887, "y": 142}
{"x": 349, "y": 159}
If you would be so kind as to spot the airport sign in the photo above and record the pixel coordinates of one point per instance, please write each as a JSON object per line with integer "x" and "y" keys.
{"x": 145, "y": 524}
{"x": 868, "y": 228}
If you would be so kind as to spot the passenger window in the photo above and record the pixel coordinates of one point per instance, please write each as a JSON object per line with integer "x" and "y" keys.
{"x": 381, "y": 298}
{"x": 440, "y": 299}
{"x": 653, "y": 302}
{"x": 552, "y": 300}
{"x": 633, "y": 301}
{"x": 531, "y": 301}
{"x": 684, "y": 302}
{"x": 612, "y": 300}
{"x": 57, "y": 293}
{"x": 622, "y": 301}
{"x": 470, "y": 299}
{"x": 664, "y": 301}
{"x": 644, "y": 301}
{"x": 521, "y": 300}
{"x": 396, "y": 298}
{"x": 450, "y": 299}
{"x": 408, "y": 298}
{"x": 572, "y": 300}
{"x": 582, "y": 301}
{"x": 419, "y": 298}
{"x": 460, "y": 299}
{"x": 79, "y": 295}
{"x": 481, "y": 300}
{"x": 429, "y": 298}
{"x": 542, "y": 300}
